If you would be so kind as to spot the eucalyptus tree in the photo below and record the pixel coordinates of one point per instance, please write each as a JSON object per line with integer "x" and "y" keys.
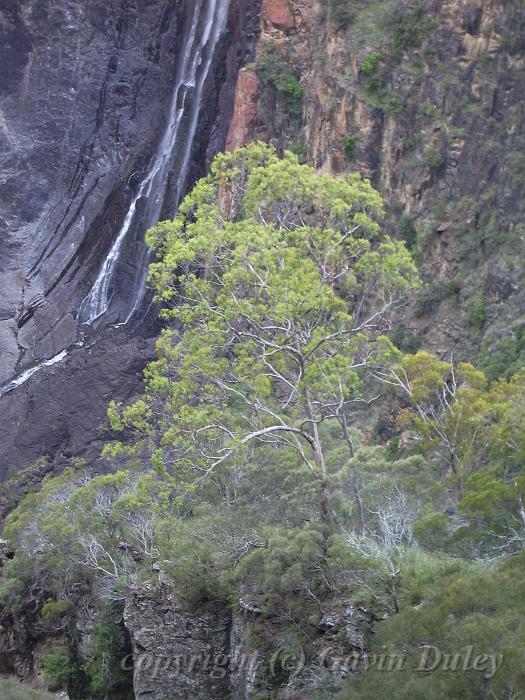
{"x": 281, "y": 286}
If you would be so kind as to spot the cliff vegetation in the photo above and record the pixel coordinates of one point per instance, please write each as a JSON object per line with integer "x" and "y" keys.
{"x": 289, "y": 465}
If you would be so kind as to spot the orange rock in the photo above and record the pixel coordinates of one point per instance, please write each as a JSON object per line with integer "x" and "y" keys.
{"x": 278, "y": 13}
{"x": 244, "y": 110}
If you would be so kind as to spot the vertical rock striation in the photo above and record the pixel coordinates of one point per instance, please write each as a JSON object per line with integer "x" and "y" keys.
{"x": 425, "y": 99}
{"x": 83, "y": 110}
{"x": 178, "y": 654}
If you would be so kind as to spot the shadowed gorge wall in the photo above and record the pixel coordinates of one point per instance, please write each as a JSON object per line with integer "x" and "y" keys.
{"x": 83, "y": 107}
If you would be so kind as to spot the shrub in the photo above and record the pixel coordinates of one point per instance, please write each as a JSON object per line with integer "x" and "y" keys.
{"x": 431, "y": 297}
{"x": 11, "y": 689}
{"x": 434, "y": 159}
{"x": 55, "y": 609}
{"x": 277, "y": 71}
{"x": 341, "y": 12}
{"x": 369, "y": 65}
{"x": 59, "y": 668}
{"x": 349, "y": 146}
{"x": 478, "y": 315}
{"x": 504, "y": 357}
{"x": 406, "y": 339}
{"x": 107, "y": 647}
{"x": 301, "y": 151}
{"x": 407, "y": 230}
{"x": 408, "y": 28}
{"x": 376, "y": 90}
{"x": 409, "y": 143}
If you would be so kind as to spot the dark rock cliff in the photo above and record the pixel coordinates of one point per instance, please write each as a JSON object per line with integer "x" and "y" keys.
{"x": 83, "y": 106}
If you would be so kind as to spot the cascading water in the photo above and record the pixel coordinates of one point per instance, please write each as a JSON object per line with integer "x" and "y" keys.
{"x": 205, "y": 26}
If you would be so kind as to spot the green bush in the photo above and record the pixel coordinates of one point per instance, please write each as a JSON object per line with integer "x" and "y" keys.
{"x": 407, "y": 230}
{"x": 408, "y": 28}
{"x": 369, "y": 64}
{"x": 292, "y": 94}
{"x": 55, "y": 609}
{"x": 60, "y": 668}
{"x": 12, "y": 689}
{"x": 409, "y": 143}
{"x": 341, "y": 12}
{"x": 478, "y": 315}
{"x": 277, "y": 72}
{"x": 434, "y": 159}
{"x": 107, "y": 647}
{"x": 504, "y": 357}
{"x": 377, "y": 92}
{"x": 406, "y": 339}
{"x": 349, "y": 146}
{"x": 431, "y": 297}
{"x": 301, "y": 151}
{"x": 290, "y": 86}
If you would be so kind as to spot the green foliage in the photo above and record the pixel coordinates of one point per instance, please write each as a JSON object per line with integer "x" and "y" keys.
{"x": 434, "y": 159}
{"x": 349, "y": 145}
{"x": 406, "y": 339}
{"x": 246, "y": 473}
{"x": 476, "y": 607}
{"x": 273, "y": 268}
{"x": 430, "y": 298}
{"x": 60, "y": 670}
{"x": 301, "y": 151}
{"x": 409, "y": 143}
{"x": 106, "y": 649}
{"x": 53, "y": 610}
{"x": 407, "y": 230}
{"x": 370, "y": 63}
{"x": 280, "y": 278}
{"x": 101, "y": 675}
{"x": 289, "y": 568}
{"x": 291, "y": 87}
{"x": 409, "y": 27}
{"x": 277, "y": 72}
{"x": 341, "y": 12}
{"x": 505, "y": 356}
{"x": 11, "y": 689}
{"x": 478, "y": 314}
{"x": 377, "y": 73}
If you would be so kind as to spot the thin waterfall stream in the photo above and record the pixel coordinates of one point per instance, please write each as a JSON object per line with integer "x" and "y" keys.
{"x": 204, "y": 29}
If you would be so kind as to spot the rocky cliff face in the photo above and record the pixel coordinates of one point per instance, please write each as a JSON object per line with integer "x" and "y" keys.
{"x": 425, "y": 99}
{"x": 428, "y": 103}
{"x": 83, "y": 107}
{"x": 210, "y": 652}
{"x": 178, "y": 653}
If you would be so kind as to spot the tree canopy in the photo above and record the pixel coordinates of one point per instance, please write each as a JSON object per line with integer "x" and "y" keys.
{"x": 285, "y": 452}
{"x": 284, "y": 287}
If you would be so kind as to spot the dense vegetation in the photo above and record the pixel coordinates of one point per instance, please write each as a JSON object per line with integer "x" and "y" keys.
{"x": 13, "y": 690}
{"x": 285, "y": 446}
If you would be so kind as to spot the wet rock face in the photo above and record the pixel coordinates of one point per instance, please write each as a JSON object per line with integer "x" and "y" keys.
{"x": 83, "y": 99}
{"x": 62, "y": 410}
{"x": 83, "y": 106}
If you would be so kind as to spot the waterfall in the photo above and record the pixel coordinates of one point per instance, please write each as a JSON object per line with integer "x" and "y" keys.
{"x": 24, "y": 376}
{"x": 204, "y": 29}
{"x": 206, "y": 26}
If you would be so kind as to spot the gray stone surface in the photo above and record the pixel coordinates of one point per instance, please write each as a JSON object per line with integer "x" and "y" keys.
{"x": 84, "y": 96}
{"x": 178, "y": 654}
{"x": 82, "y": 105}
